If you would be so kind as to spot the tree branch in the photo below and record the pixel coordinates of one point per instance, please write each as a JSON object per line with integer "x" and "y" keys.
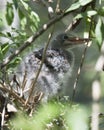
{"x": 30, "y": 40}
{"x": 38, "y": 72}
{"x": 82, "y": 58}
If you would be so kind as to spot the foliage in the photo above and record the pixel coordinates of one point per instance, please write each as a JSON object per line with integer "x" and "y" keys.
{"x": 86, "y": 13}
{"x": 54, "y": 116}
{"x": 16, "y": 37}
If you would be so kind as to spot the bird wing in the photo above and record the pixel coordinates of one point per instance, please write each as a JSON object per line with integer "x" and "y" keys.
{"x": 55, "y": 61}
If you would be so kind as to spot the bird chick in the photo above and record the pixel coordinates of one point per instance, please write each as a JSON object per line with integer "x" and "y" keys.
{"x": 58, "y": 62}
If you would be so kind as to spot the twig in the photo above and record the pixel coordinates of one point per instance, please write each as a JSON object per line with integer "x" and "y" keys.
{"x": 24, "y": 81}
{"x": 78, "y": 73}
{"x": 38, "y": 72}
{"x": 81, "y": 64}
{"x": 49, "y": 8}
{"x": 57, "y": 10}
{"x": 3, "y": 115}
{"x": 6, "y": 89}
{"x": 76, "y": 22}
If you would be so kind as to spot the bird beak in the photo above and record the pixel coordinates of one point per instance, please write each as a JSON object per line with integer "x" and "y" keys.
{"x": 75, "y": 41}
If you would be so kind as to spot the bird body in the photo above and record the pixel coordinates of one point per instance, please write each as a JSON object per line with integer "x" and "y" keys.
{"x": 58, "y": 62}
{"x": 51, "y": 77}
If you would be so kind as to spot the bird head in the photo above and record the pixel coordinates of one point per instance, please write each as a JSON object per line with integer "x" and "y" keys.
{"x": 63, "y": 41}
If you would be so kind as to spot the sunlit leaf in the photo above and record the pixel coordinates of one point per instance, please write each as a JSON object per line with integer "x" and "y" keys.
{"x": 23, "y": 23}
{"x": 91, "y": 13}
{"x": 4, "y": 48}
{"x": 74, "y": 6}
{"x": 33, "y": 28}
{"x": 34, "y": 20}
{"x": 88, "y": 13}
{"x": 84, "y": 2}
{"x": 78, "y": 4}
{"x": 9, "y": 13}
{"x": 78, "y": 16}
{"x": 26, "y": 6}
{"x": 98, "y": 32}
{"x": 34, "y": 16}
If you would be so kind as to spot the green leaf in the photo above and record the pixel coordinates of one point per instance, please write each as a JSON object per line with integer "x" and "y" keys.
{"x": 34, "y": 20}
{"x": 98, "y": 32}
{"x": 73, "y": 7}
{"x": 84, "y": 2}
{"x": 8, "y": 34}
{"x": 15, "y": 2}
{"x": 20, "y": 13}
{"x": 2, "y": 34}
{"x": 9, "y": 13}
{"x": 85, "y": 14}
{"x": 23, "y": 23}
{"x": 34, "y": 16}
{"x": 101, "y": 11}
{"x": 91, "y": 13}
{"x": 78, "y": 4}
{"x": 14, "y": 63}
{"x": 26, "y": 6}
{"x": 4, "y": 48}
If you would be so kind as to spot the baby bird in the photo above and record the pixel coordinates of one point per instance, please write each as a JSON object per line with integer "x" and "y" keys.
{"x": 58, "y": 64}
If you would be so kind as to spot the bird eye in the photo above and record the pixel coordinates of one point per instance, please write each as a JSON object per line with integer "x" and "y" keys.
{"x": 65, "y": 37}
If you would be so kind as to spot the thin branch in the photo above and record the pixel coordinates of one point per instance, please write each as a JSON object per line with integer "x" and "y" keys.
{"x": 79, "y": 72}
{"x": 40, "y": 67}
{"x": 31, "y": 39}
{"x": 57, "y": 10}
{"x": 49, "y": 8}
{"x": 2, "y": 117}
{"x": 6, "y": 89}
{"x": 76, "y": 22}
{"x": 81, "y": 64}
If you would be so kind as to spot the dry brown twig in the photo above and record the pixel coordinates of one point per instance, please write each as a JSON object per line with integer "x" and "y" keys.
{"x": 58, "y": 10}
{"x": 5, "y": 88}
